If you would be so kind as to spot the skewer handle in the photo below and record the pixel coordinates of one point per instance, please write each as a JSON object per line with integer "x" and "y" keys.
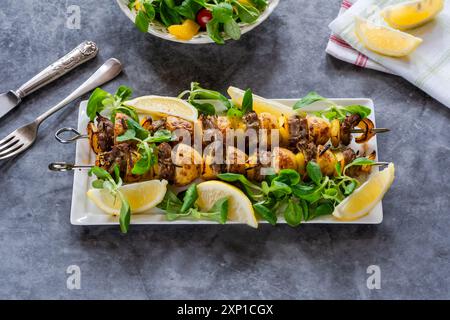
{"x": 77, "y": 135}
{"x": 63, "y": 167}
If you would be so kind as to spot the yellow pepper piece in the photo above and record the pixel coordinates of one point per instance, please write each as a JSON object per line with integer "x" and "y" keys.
{"x": 184, "y": 31}
{"x": 247, "y": 2}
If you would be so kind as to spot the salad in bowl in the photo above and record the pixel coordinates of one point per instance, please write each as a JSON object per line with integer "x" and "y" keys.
{"x": 197, "y": 21}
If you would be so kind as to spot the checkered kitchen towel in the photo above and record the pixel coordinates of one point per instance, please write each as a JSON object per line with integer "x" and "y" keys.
{"x": 428, "y": 67}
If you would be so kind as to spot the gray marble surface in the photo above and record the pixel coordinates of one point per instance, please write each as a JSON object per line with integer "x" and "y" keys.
{"x": 284, "y": 57}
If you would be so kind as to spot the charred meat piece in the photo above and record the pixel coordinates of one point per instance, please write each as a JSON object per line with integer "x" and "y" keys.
{"x": 349, "y": 155}
{"x": 210, "y": 130}
{"x": 147, "y": 123}
{"x": 101, "y": 136}
{"x": 297, "y": 131}
{"x": 347, "y": 125}
{"x": 159, "y": 124}
{"x": 208, "y": 122}
{"x": 119, "y": 155}
{"x": 175, "y": 123}
{"x": 251, "y": 121}
{"x": 309, "y": 150}
{"x": 166, "y": 168}
{"x": 255, "y": 165}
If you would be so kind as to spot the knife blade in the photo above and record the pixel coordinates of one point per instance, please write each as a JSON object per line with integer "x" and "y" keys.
{"x": 81, "y": 54}
{"x": 8, "y": 101}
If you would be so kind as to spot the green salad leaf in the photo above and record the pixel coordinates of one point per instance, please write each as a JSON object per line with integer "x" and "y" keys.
{"x": 188, "y": 210}
{"x": 100, "y": 101}
{"x": 106, "y": 181}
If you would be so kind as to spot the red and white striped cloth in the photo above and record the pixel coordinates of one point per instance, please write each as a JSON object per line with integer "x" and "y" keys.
{"x": 341, "y": 50}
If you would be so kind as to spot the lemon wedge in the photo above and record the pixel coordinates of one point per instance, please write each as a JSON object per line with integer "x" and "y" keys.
{"x": 366, "y": 196}
{"x": 141, "y": 196}
{"x": 162, "y": 106}
{"x": 412, "y": 14}
{"x": 385, "y": 40}
{"x": 260, "y": 104}
{"x": 240, "y": 208}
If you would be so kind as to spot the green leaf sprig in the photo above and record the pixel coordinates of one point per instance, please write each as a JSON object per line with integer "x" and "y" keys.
{"x": 101, "y": 100}
{"x": 107, "y": 182}
{"x": 146, "y": 145}
{"x": 197, "y": 93}
{"x": 334, "y": 111}
{"x": 188, "y": 210}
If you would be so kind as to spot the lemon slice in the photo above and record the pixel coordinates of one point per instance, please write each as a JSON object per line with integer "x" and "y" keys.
{"x": 141, "y": 196}
{"x": 412, "y": 14}
{"x": 240, "y": 208}
{"x": 385, "y": 40}
{"x": 366, "y": 196}
{"x": 261, "y": 104}
{"x": 162, "y": 106}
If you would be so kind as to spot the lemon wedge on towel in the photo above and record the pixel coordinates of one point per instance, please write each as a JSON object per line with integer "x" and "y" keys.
{"x": 385, "y": 40}
{"x": 366, "y": 196}
{"x": 141, "y": 196}
{"x": 240, "y": 208}
{"x": 412, "y": 14}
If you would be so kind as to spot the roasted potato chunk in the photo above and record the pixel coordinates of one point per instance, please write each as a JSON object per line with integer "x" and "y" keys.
{"x": 188, "y": 164}
{"x": 283, "y": 159}
{"x": 120, "y": 125}
{"x": 335, "y": 133}
{"x": 268, "y": 122}
{"x": 319, "y": 130}
{"x": 235, "y": 160}
{"x": 326, "y": 161}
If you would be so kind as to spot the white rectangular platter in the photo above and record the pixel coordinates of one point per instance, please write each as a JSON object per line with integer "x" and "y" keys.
{"x": 84, "y": 212}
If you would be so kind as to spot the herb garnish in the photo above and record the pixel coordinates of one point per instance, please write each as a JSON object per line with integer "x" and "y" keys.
{"x": 187, "y": 209}
{"x": 146, "y": 146}
{"x": 334, "y": 111}
{"x": 107, "y": 182}
{"x": 101, "y": 100}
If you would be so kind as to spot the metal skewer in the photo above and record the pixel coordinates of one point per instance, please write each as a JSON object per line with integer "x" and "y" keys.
{"x": 77, "y": 135}
{"x": 64, "y": 166}
{"x": 374, "y": 130}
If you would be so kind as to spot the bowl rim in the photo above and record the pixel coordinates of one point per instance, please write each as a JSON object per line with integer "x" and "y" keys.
{"x": 202, "y": 37}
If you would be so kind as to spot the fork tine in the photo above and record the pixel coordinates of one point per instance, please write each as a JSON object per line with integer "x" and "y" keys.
{"x": 11, "y": 151}
{"x": 7, "y": 138}
{"x": 9, "y": 144}
{"x": 20, "y": 150}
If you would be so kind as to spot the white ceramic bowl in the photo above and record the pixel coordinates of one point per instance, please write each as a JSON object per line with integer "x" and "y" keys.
{"x": 159, "y": 30}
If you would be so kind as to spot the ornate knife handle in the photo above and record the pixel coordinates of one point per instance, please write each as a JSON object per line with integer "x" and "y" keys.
{"x": 81, "y": 54}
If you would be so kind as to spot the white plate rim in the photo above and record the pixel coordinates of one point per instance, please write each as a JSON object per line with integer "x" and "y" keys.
{"x": 83, "y": 212}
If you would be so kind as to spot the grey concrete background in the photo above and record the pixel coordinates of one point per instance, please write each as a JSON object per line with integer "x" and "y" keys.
{"x": 282, "y": 58}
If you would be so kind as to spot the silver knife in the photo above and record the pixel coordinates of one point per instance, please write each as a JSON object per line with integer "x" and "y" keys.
{"x": 81, "y": 54}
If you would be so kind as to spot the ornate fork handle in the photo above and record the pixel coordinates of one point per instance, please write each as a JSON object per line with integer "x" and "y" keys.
{"x": 81, "y": 54}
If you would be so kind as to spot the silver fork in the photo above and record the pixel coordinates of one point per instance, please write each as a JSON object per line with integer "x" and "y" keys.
{"x": 21, "y": 139}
